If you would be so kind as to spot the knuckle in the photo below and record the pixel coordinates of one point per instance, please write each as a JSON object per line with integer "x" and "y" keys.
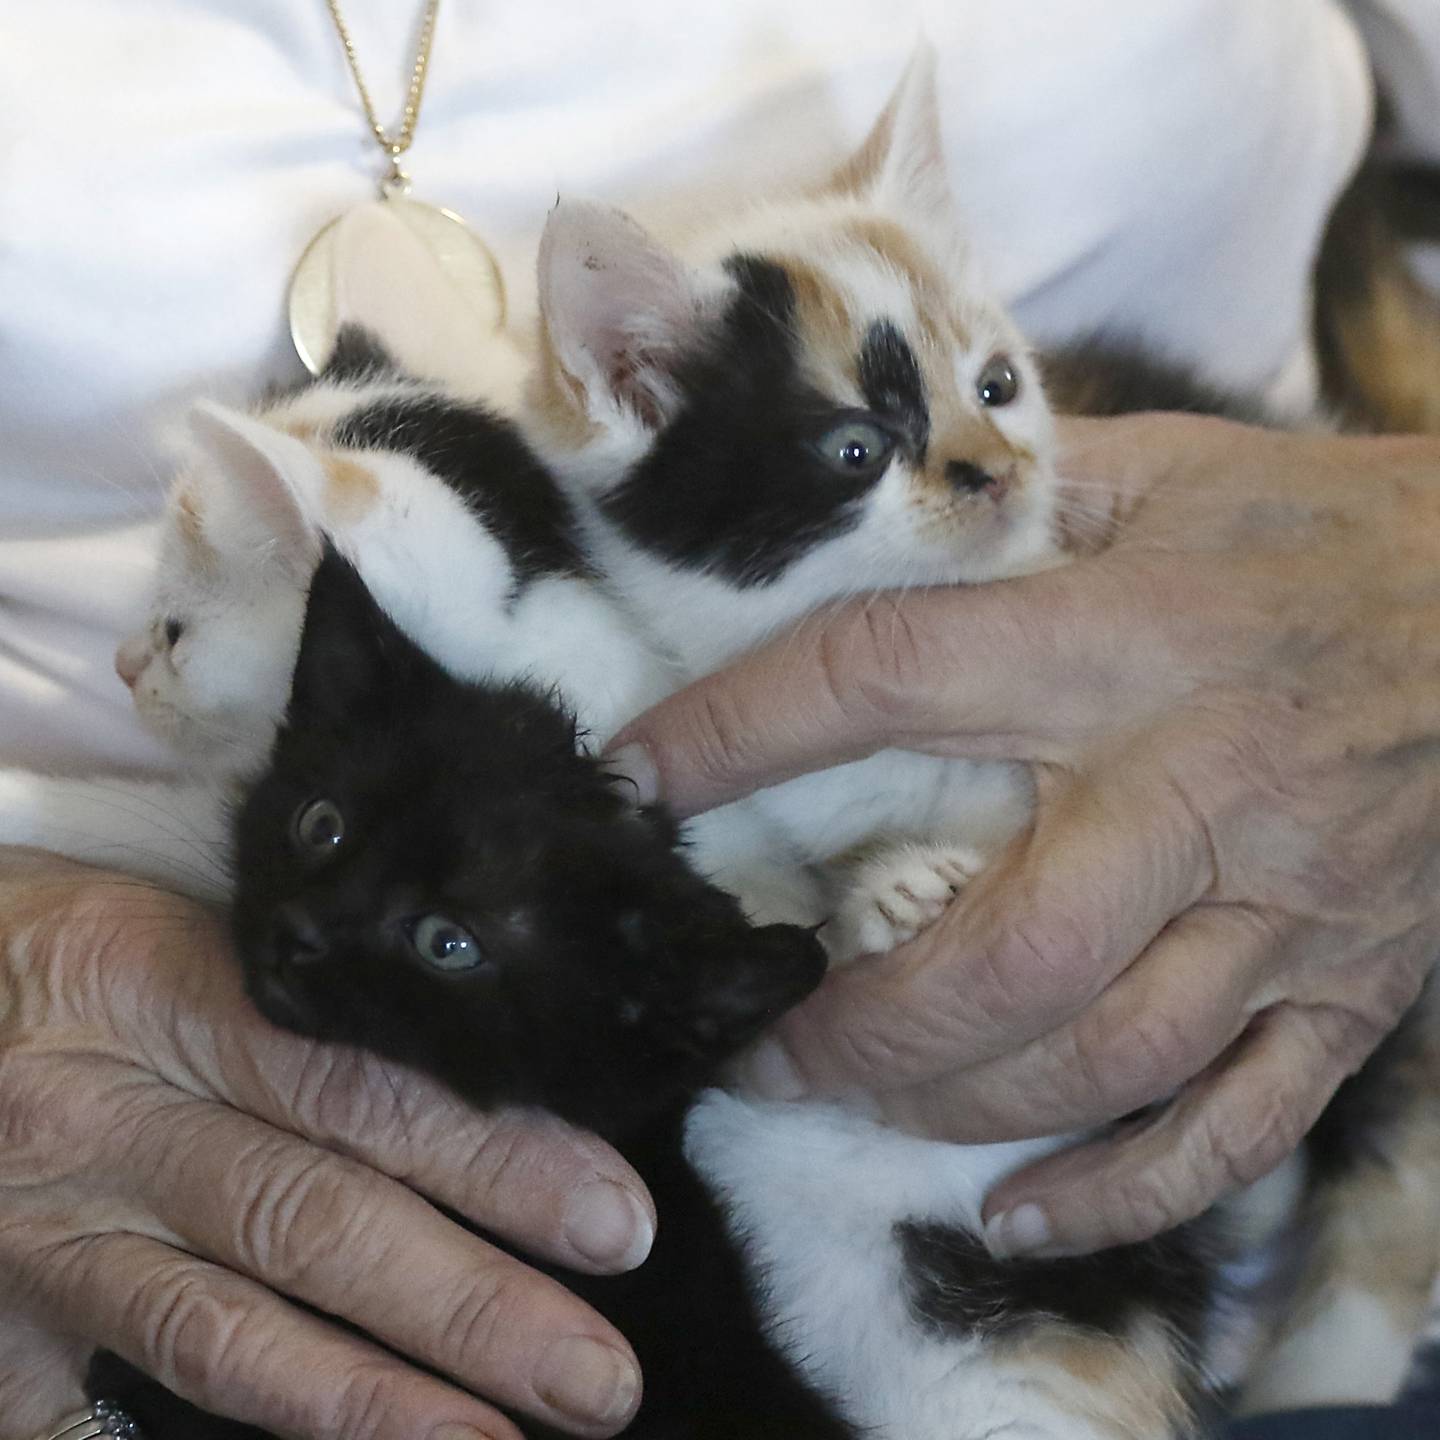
{"x": 1138, "y": 1060}
{"x": 1146, "y": 1204}
{"x": 301, "y": 1213}
{"x": 484, "y": 1317}
{"x": 27, "y": 1109}
{"x": 341, "y": 1097}
{"x": 503, "y": 1165}
{"x": 186, "y": 1326}
{"x": 1044, "y": 960}
{"x": 721, "y": 735}
{"x": 1245, "y": 1153}
{"x": 365, "y": 1405}
{"x": 880, "y": 661}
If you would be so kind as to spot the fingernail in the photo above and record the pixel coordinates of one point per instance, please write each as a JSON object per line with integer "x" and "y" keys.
{"x": 609, "y": 1226}
{"x": 1021, "y": 1231}
{"x": 768, "y": 1073}
{"x": 592, "y": 1383}
{"x": 633, "y": 765}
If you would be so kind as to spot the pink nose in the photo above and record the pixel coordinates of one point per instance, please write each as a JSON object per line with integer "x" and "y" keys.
{"x": 129, "y": 664}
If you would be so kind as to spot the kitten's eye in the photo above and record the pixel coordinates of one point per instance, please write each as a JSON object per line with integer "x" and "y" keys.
{"x": 441, "y": 943}
{"x": 998, "y": 383}
{"x": 318, "y": 827}
{"x": 174, "y": 629}
{"x": 856, "y": 447}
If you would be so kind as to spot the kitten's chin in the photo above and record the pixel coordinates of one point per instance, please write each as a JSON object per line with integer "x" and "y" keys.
{"x": 275, "y": 1000}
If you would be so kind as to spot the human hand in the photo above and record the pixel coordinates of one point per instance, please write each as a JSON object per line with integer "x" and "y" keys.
{"x": 1232, "y": 887}
{"x": 171, "y": 1166}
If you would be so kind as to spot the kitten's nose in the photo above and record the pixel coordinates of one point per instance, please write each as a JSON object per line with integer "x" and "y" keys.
{"x": 130, "y": 663}
{"x": 974, "y": 479}
{"x": 298, "y": 939}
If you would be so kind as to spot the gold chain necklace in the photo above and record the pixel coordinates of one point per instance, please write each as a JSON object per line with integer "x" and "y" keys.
{"x": 353, "y": 260}
{"x": 393, "y": 145}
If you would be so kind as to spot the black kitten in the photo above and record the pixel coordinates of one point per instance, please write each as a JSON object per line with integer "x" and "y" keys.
{"x": 430, "y": 869}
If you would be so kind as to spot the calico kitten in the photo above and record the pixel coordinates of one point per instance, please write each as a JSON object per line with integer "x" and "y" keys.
{"x": 809, "y": 400}
{"x": 432, "y": 869}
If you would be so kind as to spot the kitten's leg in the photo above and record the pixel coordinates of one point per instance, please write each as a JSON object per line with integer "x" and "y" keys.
{"x": 175, "y": 834}
{"x": 895, "y": 893}
{"x": 1372, "y": 1218}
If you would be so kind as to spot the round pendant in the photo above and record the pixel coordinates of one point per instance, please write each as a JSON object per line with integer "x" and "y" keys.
{"x": 414, "y": 275}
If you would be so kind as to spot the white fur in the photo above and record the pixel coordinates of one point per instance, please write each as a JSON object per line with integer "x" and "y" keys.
{"x": 176, "y": 835}
{"x": 816, "y": 1192}
{"x": 1351, "y": 1351}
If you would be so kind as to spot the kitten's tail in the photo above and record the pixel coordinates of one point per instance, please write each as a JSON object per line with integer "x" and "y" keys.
{"x": 1377, "y": 325}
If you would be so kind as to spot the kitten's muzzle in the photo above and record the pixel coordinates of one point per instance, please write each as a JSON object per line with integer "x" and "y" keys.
{"x": 296, "y": 940}
{"x": 972, "y": 479}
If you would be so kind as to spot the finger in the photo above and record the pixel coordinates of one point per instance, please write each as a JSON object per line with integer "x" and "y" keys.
{"x": 1229, "y": 1128}
{"x": 229, "y": 1346}
{"x": 40, "y": 1378}
{"x": 1182, "y": 1003}
{"x": 1023, "y": 669}
{"x": 342, "y": 1238}
{"x": 1029, "y": 945}
{"x": 539, "y": 1183}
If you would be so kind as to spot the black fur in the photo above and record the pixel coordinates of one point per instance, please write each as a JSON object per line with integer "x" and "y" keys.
{"x": 359, "y": 356}
{"x": 613, "y": 980}
{"x": 485, "y": 460}
{"x": 893, "y": 386}
{"x": 734, "y": 483}
{"x": 1103, "y": 375}
{"x": 1360, "y": 1125}
{"x": 957, "y": 1288}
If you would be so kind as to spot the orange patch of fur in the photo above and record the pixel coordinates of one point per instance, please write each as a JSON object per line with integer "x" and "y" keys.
{"x": 351, "y": 489}
{"x": 827, "y": 330}
{"x": 305, "y": 430}
{"x": 1132, "y": 1389}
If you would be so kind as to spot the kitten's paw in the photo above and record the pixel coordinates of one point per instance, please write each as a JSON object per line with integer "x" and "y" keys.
{"x": 895, "y": 896}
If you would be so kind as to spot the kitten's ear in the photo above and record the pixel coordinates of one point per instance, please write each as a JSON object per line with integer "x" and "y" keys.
{"x": 259, "y": 488}
{"x": 619, "y": 311}
{"x": 351, "y": 651}
{"x": 901, "y": 164}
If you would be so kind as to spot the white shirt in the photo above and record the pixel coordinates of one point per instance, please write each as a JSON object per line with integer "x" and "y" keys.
{"x": 1163, "y": 174}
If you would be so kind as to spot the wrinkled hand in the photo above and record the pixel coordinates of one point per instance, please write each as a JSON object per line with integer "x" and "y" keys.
{"x": 1232, "y": 888}
{"x": 170, "y": 1166}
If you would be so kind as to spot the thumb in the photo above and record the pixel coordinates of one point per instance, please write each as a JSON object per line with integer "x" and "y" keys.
{"x": 1016, "y": 670}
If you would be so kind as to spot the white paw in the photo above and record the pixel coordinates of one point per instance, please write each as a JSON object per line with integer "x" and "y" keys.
{"x": 895, "y": 896}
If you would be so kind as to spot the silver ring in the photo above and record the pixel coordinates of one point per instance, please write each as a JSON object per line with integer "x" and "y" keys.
{"x": 104, "y": 1417}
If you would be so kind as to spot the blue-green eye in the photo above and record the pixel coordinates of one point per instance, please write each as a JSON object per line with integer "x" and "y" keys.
{"x": 856, "y": 447}
{"x": 317, "y": 828}
{"x": 998, "y": 382}
{"x": 443, "y": 945}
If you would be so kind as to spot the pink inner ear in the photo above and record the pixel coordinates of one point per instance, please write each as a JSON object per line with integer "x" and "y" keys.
{"x": 257, "y": 482}
{"x": 617, "y": 304}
